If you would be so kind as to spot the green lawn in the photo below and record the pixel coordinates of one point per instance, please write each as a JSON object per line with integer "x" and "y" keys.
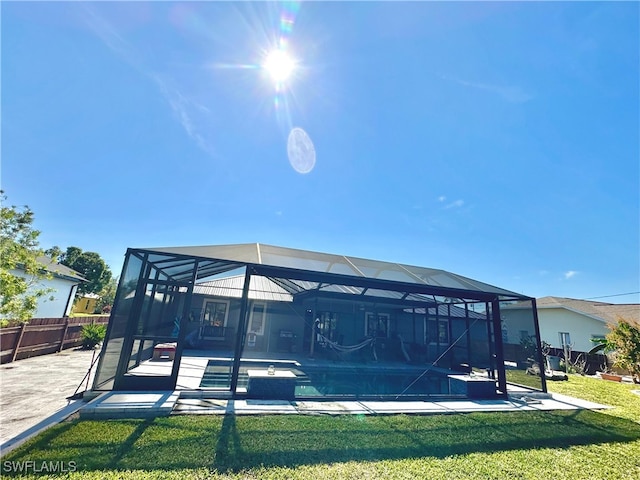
{"x": 524, "y": 445}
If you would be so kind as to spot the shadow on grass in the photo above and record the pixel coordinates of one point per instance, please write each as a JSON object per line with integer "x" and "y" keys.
{"x": 232, "y": 443}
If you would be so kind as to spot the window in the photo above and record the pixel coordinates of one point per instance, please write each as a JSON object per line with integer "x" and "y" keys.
{"x": 214, "y": 319}
{"x": 437, "y": 331}
{"x": 565, "y": 338}
{"x": 257, "y": 318}
{"x": 215, "y": 314}
{"x": 376, "y": 325}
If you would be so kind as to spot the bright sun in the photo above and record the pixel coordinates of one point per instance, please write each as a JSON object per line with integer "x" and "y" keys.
{"x": 279, "y": 65}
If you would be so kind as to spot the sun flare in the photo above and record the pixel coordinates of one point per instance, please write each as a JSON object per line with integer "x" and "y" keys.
{"x": 279, "y": 65}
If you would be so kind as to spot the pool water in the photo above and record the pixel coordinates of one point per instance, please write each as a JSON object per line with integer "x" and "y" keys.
{"x": 314, "y": 382}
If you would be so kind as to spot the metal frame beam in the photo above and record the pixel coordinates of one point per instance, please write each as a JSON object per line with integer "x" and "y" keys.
{"x": 242, "y": 327}
{"x": 363, "y": 299}
{"x": 499, "y": 347}
{"x": 403, "y": 287}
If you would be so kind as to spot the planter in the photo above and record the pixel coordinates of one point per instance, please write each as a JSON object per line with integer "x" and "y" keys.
{"x": 611, "y": 376}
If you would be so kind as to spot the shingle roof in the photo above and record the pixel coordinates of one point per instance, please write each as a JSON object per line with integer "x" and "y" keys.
{"x": 59, "y": 270}
{"x": 605, "y": 312}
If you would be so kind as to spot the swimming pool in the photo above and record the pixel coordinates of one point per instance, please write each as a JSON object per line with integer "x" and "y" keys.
{"x": 339, "y": 382}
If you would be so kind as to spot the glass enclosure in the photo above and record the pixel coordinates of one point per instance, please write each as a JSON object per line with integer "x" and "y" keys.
{"x": 117, "y": 329}
{"x": 522, "y": 355}
{"x": 268, "y": 322}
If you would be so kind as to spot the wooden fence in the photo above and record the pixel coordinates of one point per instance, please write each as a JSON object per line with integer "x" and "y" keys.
{"x": 43, "y": 335}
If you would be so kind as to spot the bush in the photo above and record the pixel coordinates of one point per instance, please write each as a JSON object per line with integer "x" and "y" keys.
{"x": 625, "y": 338}
{"x": 92, "y": 335}
{"x": 624, "y": 341}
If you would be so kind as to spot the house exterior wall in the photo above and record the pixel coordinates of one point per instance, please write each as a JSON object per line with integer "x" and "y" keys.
{"x": 59, "y": 306}
{"x": 285, "y": 324}
{"x": 580, "y": 327}
{"x": 552, "y": 321}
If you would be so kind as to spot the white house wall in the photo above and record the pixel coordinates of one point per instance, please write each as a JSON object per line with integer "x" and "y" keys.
{"x": 552, "y": 321}
{"x": 580, "y": 327}
{"x": 58, "y": 307}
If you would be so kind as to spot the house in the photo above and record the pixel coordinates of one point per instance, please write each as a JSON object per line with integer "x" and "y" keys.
{"x": 212, "y": 318}
{"x": 63, "y": 283}
{"x": 572, "y": 322}
{"x": 86, "y": 303}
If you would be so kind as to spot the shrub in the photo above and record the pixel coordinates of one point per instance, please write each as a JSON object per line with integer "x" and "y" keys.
{"x": 625, "y": 337}
{"x": 92, "y": 335}
{"x": 624, "y": 341}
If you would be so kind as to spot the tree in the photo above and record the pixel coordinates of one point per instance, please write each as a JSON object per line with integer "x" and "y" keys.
{"x": 623, "y": 340}
{"x": 20, "y": 272}
{"x": 108, "y": 296}
{"x": 88, "y": 264}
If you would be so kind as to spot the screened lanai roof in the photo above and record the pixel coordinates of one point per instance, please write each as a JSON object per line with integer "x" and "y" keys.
{"x": 300, "y": 271}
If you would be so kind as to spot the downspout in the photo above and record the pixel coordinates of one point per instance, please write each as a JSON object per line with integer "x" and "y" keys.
{"x": 242, "y": 327}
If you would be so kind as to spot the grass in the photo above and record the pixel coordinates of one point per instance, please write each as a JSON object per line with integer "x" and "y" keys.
{"x": 524, "y": 445}
{"x": 617, "y": 395}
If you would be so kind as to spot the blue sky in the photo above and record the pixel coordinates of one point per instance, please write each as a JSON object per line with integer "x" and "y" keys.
{"x": 499, "y": 141}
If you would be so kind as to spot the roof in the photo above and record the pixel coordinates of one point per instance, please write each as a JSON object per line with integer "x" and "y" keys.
{"x": 58, "y": 270}
{"x": 331, "y": 265}
{"x": 605, "y": 312}
{"x": 93, "y": 296}
{"x": 260, "y": 288}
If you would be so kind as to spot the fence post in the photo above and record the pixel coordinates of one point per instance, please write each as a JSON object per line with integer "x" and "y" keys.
{"x": 64, "y": 334}
{"x": 15, "y": 349}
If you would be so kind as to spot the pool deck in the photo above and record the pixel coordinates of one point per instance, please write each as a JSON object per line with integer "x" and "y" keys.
{"x": 34, "y": 397}
{"x": 152, "y": 404}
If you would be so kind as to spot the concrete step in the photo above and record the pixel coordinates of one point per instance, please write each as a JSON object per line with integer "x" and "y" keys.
{"x": 130, "y": 405}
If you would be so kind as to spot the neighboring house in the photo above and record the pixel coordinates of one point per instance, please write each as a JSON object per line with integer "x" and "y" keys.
{"x": 572, "y": 322}
{"x": 64, "y": 284}
{"x": 86, "y": 303}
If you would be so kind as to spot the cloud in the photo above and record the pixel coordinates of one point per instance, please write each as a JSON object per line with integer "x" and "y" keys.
{"x": 457, "y": 204}
{"x": 442, "y": 198}
{"x": 184, "y": 108}
{"x": 510, "y": 93}
{"x": 570, "y": 274}
{"x": 109, "y": 36}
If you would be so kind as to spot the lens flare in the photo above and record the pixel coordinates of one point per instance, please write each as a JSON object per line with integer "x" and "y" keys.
{"x": 302, "y": 153}
{"x": 279, "y": 65}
